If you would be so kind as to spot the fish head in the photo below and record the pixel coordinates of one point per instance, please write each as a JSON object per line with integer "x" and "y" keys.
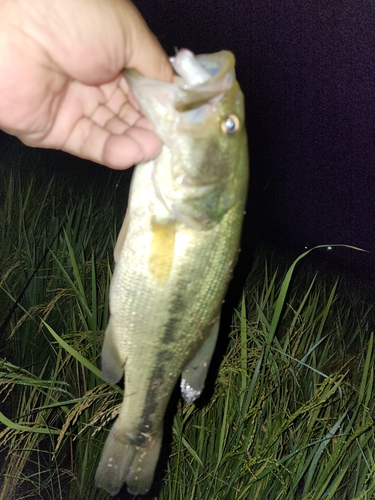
{"x": 202, "y": 169}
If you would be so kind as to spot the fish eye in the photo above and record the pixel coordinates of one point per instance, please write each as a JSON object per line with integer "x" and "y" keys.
{"x": 230, "y": 125}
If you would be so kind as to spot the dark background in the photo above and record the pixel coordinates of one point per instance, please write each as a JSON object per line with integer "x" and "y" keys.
{"x": 307, "y": 69}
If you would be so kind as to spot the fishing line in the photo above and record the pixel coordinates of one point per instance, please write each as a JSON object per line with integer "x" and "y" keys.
{"x": 6, "y": 321}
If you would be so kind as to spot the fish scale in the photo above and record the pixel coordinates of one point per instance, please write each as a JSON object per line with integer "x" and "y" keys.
{"x": 174, "y": 259}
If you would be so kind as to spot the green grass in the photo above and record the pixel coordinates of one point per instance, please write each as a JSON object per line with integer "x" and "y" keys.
{"x": 291, "y": 414}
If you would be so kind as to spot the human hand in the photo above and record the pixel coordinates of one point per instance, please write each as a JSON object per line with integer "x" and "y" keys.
{"x": 61, "y": 82}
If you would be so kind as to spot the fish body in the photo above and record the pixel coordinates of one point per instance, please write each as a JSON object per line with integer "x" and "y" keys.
{"x": 174, "y": 256}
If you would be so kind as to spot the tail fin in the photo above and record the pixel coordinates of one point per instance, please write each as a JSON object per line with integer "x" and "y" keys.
{"x": 128, "y": 459}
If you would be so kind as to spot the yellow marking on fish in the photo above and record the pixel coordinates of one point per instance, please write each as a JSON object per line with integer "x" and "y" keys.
{"x": 162, "y": 250}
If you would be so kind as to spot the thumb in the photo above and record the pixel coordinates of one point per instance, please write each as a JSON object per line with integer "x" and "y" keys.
{"x": 143, "y": 50}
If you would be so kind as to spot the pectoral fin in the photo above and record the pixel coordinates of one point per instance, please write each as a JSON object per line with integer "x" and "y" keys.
{"x": 121, "y": 236}
{"x": 195, "y": 372}
{"x": 112, "y": 363}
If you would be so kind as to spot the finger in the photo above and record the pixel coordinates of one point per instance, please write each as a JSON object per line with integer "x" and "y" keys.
{"x": 93, "y": 142}
{"x": 148, "y": 57}
{"x": 122, "y": 151}
{"x": 113, "y": 123}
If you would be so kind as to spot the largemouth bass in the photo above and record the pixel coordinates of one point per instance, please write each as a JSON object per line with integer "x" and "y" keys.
{"x": 174, "y": 256}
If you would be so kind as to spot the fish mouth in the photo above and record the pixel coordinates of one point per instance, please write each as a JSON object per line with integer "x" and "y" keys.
{"x": 201, "y": 79}
{"x": 200, "y": 83}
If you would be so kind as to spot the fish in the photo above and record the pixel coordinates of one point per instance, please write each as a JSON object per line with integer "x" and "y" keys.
{"x": 174, "y": 256}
